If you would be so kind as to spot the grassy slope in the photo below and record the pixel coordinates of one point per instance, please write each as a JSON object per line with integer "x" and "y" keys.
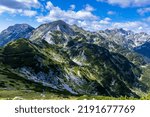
{"x": 146, "y": 75}
{"x": 21, "y": 88}
{"x": 17, "y": 86}
{"x": 14, "y": 85}
{"x": 32, "y": 95}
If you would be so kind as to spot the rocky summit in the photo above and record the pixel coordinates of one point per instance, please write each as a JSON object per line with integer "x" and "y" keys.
{"x": 15, "y": 32}
{"x": 67, "y": 60}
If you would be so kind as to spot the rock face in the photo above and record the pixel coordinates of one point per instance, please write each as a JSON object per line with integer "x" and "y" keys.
{"x": 69, "y": 59}
{"x": 125, "y": 38}
{"x": 54, "y": 33}
{"x": 130, "y": 44}
{"x": 60, "y": 33}
{"x": 15, "y": 32}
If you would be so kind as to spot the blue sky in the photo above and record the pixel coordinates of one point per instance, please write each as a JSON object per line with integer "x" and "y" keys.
{"x": 92, "y": 15}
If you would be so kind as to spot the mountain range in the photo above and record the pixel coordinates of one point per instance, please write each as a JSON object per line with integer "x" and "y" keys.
{"x": 64, "y": 58}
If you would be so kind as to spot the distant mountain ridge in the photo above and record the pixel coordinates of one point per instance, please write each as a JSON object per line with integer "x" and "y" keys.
{"x": 125, "y": 38}
{"x": 59, "y": 32}
{"x": 15, "y": 32}
{"x": 128, "y": 39}
{"x": 144, "y": 49}
{"x": 120, "y": 36}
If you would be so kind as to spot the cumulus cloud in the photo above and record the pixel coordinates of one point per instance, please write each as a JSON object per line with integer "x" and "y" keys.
{"x": 136, "y": 26}
{"x": 142, "y": 11}
{"x": 57, "y": 13}
{"x": 147, "y": 19}
{"x": 105, "y": 21}
{"x": 89, "y": 8}
{"x": 49, "y": 5}
{"x": 111, "y": 12}
{"x": 82, "y": 17}
{"x": 6, "y": 9}
{"x": 127, "y": 3}
{"x": 87, "y": 20}
{"x": 72, "y": 7}
{"x": 12, "y": 4}
{"x": 29, "y": 13}
{"x": 19, "y": 4}
{"x": 22, "y": 7}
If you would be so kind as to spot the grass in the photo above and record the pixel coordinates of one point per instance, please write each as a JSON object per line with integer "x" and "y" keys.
{"x": 146, "y": 75}
{"x": 32, "y": 95}
{"x": 22, "y": 53}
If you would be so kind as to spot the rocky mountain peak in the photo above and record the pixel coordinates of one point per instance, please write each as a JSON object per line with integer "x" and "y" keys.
{"x": 50, "y": 31}
{"x": 17, "y": 27}
{"x": 58, "y": 22}
{"x": 118, "y": 31}
{"x": 14, "y": 32}
{"x": 61, "y": 26}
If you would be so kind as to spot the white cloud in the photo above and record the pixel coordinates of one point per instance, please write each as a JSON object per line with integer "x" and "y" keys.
{"x": 21, "y": 7}
{"x": 92, "y": 25}
{"x": 142, "y": 11}
{"x": 72, "y": 7}
{"x": 86, "y": 19}
{"x": 29, "y": 13}
{"x": 140, "y": 28}
{"x": 83, "y": 18}
{"x": 89, "y": 8}
{"x": 147, "y": 19}
{"x": 20, "y": 4}
{"x": 136, "y": 26}
{"x": 111, "y": 12}
{"x": 49, "y": 5}
{"x": 127, "y": 3}
{"x": 6, "y": 9}
{"x": 55, "y": 13}
{"x": 30, "y": 3}
{"x": 105, "y": 21}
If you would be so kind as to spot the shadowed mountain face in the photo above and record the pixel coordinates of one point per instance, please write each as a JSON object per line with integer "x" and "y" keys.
{"x": 66, "y": 58}
{"x": 144, "y": 49}
{"x": 15, "y": 32}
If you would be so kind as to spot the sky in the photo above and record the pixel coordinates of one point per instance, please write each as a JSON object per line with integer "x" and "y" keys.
{"x": 91, "y": 15}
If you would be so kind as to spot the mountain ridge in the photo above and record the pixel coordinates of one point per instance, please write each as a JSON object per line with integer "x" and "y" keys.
{"x": 69, "y": 59}
{"x": 14, "y": 32}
